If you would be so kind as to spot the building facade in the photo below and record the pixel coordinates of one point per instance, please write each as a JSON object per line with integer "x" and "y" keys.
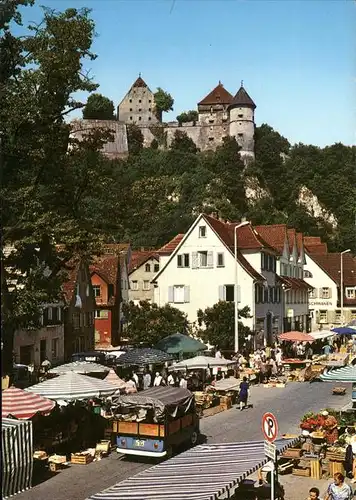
{"x": 144, "y": 266}
{"x": 220, "y": 114}
{"x": 197, "y": 270}
{"x": 109, "y": 278}
{"x": 323, "y": 272}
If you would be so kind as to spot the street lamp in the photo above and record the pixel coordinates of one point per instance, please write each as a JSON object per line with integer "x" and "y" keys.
{"x": 342, "y": 284}
{"x": 245, "y": 223}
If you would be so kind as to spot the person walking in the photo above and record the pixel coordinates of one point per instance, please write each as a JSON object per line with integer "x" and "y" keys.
{"x": 314, "y": 494}
{"x": 339, "y": 490}
{"x": 244, "y": 393}
{"x": 147, "y": 379}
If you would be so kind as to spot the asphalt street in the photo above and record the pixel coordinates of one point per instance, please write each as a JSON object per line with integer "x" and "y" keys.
{"x": 78, "y": 482}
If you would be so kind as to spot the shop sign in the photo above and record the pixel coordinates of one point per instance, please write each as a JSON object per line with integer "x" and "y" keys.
{"x": 318, "y": 302}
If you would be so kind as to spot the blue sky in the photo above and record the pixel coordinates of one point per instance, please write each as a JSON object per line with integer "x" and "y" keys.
{"x": 296, "y": 58}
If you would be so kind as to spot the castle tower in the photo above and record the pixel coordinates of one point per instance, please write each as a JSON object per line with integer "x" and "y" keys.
{"x": 138, "y": 105}
{"x": 213, "y": 108}
{"x": 242, "y": 122}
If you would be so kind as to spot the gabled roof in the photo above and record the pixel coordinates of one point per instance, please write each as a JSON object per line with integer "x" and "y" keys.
{"x": 312, "y": 240}
{"x": 294, "y": 283}
{"x": 169, "y": 247}
{"x": 138, "y": 258}
{"x": 317, "y": 249}
{"x": 139, "y": 83}
{"x": 107, "y": 267}
{"x": 68, "y": 286}
{"x": 242, "y": 99}
{"x": 274, "y": 234}
{"x": 219, "y": 95}
{"x": 331, "y": 264}
{"x": 292, "y": 238}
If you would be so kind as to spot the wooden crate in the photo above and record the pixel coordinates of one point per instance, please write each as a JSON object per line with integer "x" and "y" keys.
{"x": 335, "y": 467}
{"x": 81, "y": 459}
{"x": 315, "y": 469}
{"x": 301, "y": 472}
{"x": 103, "y": 446}
{"x": 292, "y": 453}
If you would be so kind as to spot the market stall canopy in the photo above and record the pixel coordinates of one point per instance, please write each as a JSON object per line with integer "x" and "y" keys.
{"x": 17, "y": 456}
{"x": 202, "y": 362}
{"x": 116, "y": 381}
{"x": 24, "y": 405}
{"x": 344, "y": 374}
{"x": 162, "y": 400}
{"x": 180, "y": 344}
{"x": 322, "y": 334}
{"x": 143, "y": 356}
{"x": 227, "y": 384}
{"x": 83, "y": 367}
{"x": 344, "y": 330}
{"x": 206, "y": 472}
{"x": 296, "y": 337}
{"x": 71, "y": 386}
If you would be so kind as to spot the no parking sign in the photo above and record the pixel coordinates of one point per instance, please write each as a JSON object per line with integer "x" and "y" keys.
{"x": 269, "y": 427}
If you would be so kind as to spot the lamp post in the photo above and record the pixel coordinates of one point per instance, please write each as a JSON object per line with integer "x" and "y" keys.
{"x": 342, "y": 284}
{"x": 245, "y": 223}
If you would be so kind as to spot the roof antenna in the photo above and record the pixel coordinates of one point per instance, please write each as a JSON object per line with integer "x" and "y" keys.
{"x": 242, "y": 83}
{"x": 139, "y": 75}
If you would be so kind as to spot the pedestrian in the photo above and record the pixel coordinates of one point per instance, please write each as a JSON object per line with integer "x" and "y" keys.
{"x": 339, "y": 490}
{"x": 183, "y": 383}
{"x": 218, "y": 354}
{"x": 135, "y": 378}
{"x": 244, "y": 393}
{"x": 147, "y": 380}
{"x": 314, "y": 494}
{"x": 158, "y": 380}
{"x": 326, "y": 348}
{"x": 170, "y": 380}
{"x": 274, "y": 369}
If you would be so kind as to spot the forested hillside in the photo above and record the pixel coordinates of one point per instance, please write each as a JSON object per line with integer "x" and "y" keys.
{"x": 160, "y": 192}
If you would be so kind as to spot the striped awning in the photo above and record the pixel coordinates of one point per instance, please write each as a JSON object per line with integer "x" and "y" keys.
{"x": 82, "y": 367}
{"x": 202, "y": 473}
{"x": 16, "y": 456}
{"x": 72, "y": 386}
{"x": 344, "y": 374}
{"x": 22, "y": 404}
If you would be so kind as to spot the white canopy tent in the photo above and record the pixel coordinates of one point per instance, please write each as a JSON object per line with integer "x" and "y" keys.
{"x": 322, "y": 334}
{"x": 201, "y": 363}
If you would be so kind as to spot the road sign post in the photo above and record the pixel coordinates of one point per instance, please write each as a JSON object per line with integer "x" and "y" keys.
{"x": 270, "y": 433}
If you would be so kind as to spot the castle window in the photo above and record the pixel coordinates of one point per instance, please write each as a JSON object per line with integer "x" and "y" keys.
{"x": 211, "y": 121}
{"x": 140, "y": 109}
{"x": 211, "y": 128}
{"x": 130, "y": 100}
{"x": 130, "y": 117}
{"x": 139, "y": 100}
{"x": 149, "y": 109}
{"x": 149, "y": 100}
{"x": 240, "y": 135}
{"x": 240, "y": 116}
{"x": 139, "y": 118}
{"x": 130, "y": 109}
{"x": 149, "y": 118}
{"x": 211, "y": 139}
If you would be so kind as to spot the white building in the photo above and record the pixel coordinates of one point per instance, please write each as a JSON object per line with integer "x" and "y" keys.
{"x": 323, "y": 272}
{"x": 197, "y": 270}
{"x": 290, "y": 267}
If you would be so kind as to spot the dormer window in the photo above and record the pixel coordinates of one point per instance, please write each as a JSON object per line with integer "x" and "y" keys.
{"x": 202, "y": 232}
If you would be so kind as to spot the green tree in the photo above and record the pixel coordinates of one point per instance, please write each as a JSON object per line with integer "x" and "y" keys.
{"x": 218, "y": 324}
{"x": 47, "y": 190}
{"x": 181, "y": 142}
{"x": 163, "y": 102}
{"x": 188, "y": 116}
{"x": 99, "y": 107}
{"x": 150, "y": 323}
{"x": 134, "y": 138}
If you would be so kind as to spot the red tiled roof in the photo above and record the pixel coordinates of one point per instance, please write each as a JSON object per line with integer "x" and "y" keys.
{"x": 169, "y": 247}
{"x": 242, "y": 99}
{"x": 138, "y": 258}
{"x": 331, "y": 264}
{"x": 68, "y": 286}
{"x": 219, "y": 95}
{"x": 299, "y": 242}
{"x": 294, "y": 283}
{"x": 107, "y": 267}
{"x": 274, "y": 234}
{"x": 139, "y": 82}
{"x": 312, "y": 240}
{"x": 291, "y": 238}
{"x": 317, "y": 249}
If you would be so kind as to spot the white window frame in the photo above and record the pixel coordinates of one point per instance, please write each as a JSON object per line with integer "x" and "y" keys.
{"x": 350, "y": 292}
{"x": 203, "y": 257}
{"x": 49, "y": 314}
{"x": 202, "y": 231}
{"x": 95, "y": 289}
{"x": 325, "y": 292}
{"x": 222, "y": 256}
{"x": 184, "y": 291}
{"x": 146, "y": 285}
{"x": 183, "y": 260}
{"x": 134, "y": 284}
{"x": 323, "y": 316}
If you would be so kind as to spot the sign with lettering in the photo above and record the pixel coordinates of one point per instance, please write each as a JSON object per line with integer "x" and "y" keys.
{"x": 320, "y": 302}
{"x": 270, "y": 450}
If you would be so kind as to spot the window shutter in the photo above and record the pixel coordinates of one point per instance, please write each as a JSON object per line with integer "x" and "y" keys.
{"x": 170, "y": 294}
{"x": 195, "y": 260}
{"x": 330, "y": 293}
{"x": 331, "y": 316}
{"x": 221, "y": 292}
{"x": 238, "y": 293}
{"x": 210, "y": 259}
{"x": 59, "y": 313}
{"x": 186, "y": 294}
{"x": 320, "y": 296}
{"x": 179, "y": 261}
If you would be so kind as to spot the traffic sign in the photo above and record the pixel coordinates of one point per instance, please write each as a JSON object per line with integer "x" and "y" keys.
{"x": 270, "y": 450}
{"x": 269, "y": 427}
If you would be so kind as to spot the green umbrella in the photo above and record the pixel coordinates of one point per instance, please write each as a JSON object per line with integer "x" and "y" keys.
{"x": 177, "y": 343}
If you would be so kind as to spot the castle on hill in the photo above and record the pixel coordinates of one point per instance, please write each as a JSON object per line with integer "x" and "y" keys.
{"x": 220, "y": 114}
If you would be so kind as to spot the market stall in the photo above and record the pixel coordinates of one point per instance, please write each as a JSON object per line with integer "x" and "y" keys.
{"x": 206, "y": 472}
{"x": 117, "y": 382}
{"x": 16, "y": 456}
{"x": 24, "y": 405}
{"x": 82, "y": 367}
{"x": 180, "y": 345}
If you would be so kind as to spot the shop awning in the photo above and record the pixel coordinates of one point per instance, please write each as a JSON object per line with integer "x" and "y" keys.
{"x": 296, "y": 337}
{"x": 203, "y": 473}
{"x": 202, "y": 362}
{"x": 22, "y": 404}
{"x": 116, "y": 381}
{"x": 72, "y": 386}
{"x": 344, "y": 374}
{"x": 143, "y": 356}
{"x": 16, "y": 456}
{"x": 321, "y": 334}
{"x": 83, "y": 367}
